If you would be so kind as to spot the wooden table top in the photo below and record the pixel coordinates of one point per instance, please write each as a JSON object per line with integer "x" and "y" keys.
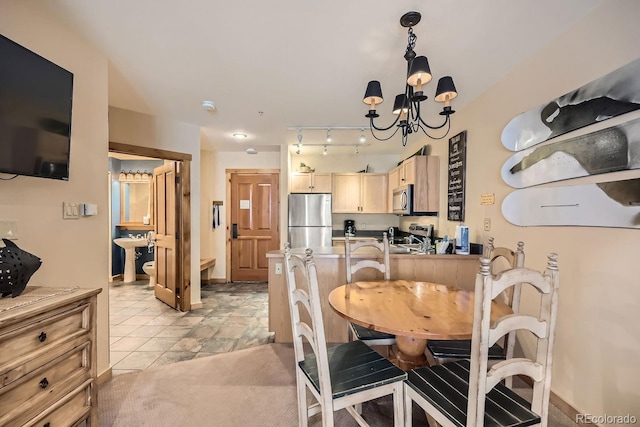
{"x": 420, "y": 310}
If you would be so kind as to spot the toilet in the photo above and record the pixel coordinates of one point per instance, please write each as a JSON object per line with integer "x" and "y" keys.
{"x": 149, "y": 268}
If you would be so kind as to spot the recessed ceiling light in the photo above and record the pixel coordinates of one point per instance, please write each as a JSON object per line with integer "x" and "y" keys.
{"x": 252, "y": 151}
{"x": 208, "y": 105}
{"x": 240, "y": 135}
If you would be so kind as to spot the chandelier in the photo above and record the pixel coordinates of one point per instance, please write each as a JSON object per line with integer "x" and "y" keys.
{"x": 407, "y": 105}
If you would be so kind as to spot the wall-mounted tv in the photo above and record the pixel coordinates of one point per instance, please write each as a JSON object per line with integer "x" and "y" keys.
{"x": 35, "y": 113}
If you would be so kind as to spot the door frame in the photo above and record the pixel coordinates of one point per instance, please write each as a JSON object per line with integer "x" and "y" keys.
{"x": 183, "y": 207}
{"x": 228, "y": 173}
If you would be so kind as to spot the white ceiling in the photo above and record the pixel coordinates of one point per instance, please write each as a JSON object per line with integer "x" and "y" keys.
{"x": 272, "y": 65}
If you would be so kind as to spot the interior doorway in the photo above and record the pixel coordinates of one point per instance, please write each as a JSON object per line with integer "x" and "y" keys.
{"x": 254, "y": 222}
{"x": 179, "y": 215}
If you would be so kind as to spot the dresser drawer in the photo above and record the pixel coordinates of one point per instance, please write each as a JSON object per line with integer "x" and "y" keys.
{"x": 70, "y": 411}
{"x": 41, "y": 388}
{"x": 30, "y": 340}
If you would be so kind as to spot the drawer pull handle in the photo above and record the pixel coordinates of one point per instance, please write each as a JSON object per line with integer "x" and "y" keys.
{"x": 44, "y": 383}
{"x": 42, "y": 337}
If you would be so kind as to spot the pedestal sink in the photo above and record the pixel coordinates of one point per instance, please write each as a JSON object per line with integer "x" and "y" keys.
{"x": 129, "y": 245}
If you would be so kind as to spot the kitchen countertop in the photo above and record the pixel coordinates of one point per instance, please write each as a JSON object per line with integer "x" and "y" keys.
{"x": 368, "y": 234}
{"x": 338, "y": 252}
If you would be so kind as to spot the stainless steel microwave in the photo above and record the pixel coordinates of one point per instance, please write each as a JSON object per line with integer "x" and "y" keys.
{"x": 403, "y": 200}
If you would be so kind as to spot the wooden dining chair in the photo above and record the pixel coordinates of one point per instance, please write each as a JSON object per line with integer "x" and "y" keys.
{"x": 342, "y": 376}
{"x": 466, "y": 392}
{"x": 368, "y": 336}
{"x": 448, "y": 350}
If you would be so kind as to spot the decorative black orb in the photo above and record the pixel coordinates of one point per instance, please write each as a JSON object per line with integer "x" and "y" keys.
{"x": 16, "y": 268}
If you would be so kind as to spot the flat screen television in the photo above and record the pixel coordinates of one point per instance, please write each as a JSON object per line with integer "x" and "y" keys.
{"x": 35, "y": 113}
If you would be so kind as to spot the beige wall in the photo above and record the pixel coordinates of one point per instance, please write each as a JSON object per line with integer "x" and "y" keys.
{"x": 73, "y": 253}
{"x": 130, "y": 127}
{"x": 214, "y": 166}
{"x": 597, "y": 346}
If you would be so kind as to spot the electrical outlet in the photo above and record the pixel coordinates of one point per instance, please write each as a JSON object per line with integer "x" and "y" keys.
{"x": 487, "y": 224}
{"x": 278, "y": 268}
{"x": 363, "y": 226}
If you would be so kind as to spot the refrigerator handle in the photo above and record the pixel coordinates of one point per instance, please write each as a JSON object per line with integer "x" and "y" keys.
{"x": 234, "y": 231}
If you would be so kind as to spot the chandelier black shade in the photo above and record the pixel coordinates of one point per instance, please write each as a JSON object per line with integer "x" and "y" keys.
{"x": 407, "y": 105}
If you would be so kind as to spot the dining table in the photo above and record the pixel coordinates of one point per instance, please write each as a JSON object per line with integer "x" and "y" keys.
{"x": 413, "y": 311}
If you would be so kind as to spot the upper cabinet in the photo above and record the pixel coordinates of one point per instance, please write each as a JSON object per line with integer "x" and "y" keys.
{"x": 359, "y": 193}
{"x": 310, "y": 182}
{"x": 403, "y": 174}
{"x": 423, "y": 173}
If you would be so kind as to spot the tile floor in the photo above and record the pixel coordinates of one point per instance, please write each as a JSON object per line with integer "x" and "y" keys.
{"x": 145, "y": 332}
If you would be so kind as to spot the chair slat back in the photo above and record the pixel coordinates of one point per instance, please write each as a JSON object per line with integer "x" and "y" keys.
{"x": 538, "y": 368}
{"x": 302, "y": 286}
{"x": 515, "y": 259}
{"x": 352, "y": 267}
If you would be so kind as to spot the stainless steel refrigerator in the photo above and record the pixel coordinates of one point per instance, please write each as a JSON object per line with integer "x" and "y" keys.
{"x": 309, "y": 220}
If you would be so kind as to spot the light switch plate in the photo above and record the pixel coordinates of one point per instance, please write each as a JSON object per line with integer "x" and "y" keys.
{"x": 278, "y": 269}
{"x": 70, "y": 210}
{"x": 487, "y": 224}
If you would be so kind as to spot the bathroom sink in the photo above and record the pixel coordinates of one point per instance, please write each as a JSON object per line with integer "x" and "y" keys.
{"x": 128, "y": 242}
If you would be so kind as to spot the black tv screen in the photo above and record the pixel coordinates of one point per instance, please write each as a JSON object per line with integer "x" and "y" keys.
{"x": 35, "y": 113}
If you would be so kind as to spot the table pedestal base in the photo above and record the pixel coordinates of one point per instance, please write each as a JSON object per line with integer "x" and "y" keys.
{"x": 411, "y": 352}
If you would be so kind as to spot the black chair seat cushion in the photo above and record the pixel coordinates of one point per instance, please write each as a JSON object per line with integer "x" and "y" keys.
{"x": 353, "y": 367}
{"x": 364, "y": 334}
{"x": 446, "y": 387}
{"x": 460, "y": 349}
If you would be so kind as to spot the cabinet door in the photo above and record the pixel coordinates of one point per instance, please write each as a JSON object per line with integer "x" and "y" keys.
{"x": 346, "y": 193}
{"x": 374, "y": 185}
{"x": 393, "y": 182}
{"x": 409, "y": 171}
{"x": 426, "y": 191}
{"x": 300, "y": 182}
{"x": 321, "y": 182}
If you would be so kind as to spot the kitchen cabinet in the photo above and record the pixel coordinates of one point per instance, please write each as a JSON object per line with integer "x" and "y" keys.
{"x": 310, "y": 182}
{"x": 359, "y": 192}
{"x": 48, "y": 358}
{"x": 403, "y": 174}
{"x": 423, "y": 173}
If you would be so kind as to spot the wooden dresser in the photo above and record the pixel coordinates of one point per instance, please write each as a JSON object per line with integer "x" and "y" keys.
{"x": 48, "y": 358}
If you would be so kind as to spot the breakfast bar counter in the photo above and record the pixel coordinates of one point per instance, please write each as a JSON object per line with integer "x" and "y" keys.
{"x": 452, "y": 270}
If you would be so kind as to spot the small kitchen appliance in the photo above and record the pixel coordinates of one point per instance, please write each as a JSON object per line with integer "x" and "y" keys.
{"x": 350, "y": 227}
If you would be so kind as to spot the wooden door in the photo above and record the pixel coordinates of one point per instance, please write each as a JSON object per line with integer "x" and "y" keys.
{"x": 346, "y": 193}
{"x": 373, "y": 185}
{"x": 255, "y": 218}
{"x": 164, "y": 197}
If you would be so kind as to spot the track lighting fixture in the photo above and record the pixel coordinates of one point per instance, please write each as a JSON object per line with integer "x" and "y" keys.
{"x": 325, "y": 150}
{"x": 329, "y": 137}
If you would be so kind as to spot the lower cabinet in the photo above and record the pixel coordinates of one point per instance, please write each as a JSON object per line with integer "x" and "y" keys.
{"x": 48, "y": 358}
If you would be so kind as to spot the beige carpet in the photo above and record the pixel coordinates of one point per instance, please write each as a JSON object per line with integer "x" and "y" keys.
{"x": 252, "y": 387}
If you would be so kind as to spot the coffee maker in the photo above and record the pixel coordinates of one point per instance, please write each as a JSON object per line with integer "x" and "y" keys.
{"x": 350, "y": 227}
